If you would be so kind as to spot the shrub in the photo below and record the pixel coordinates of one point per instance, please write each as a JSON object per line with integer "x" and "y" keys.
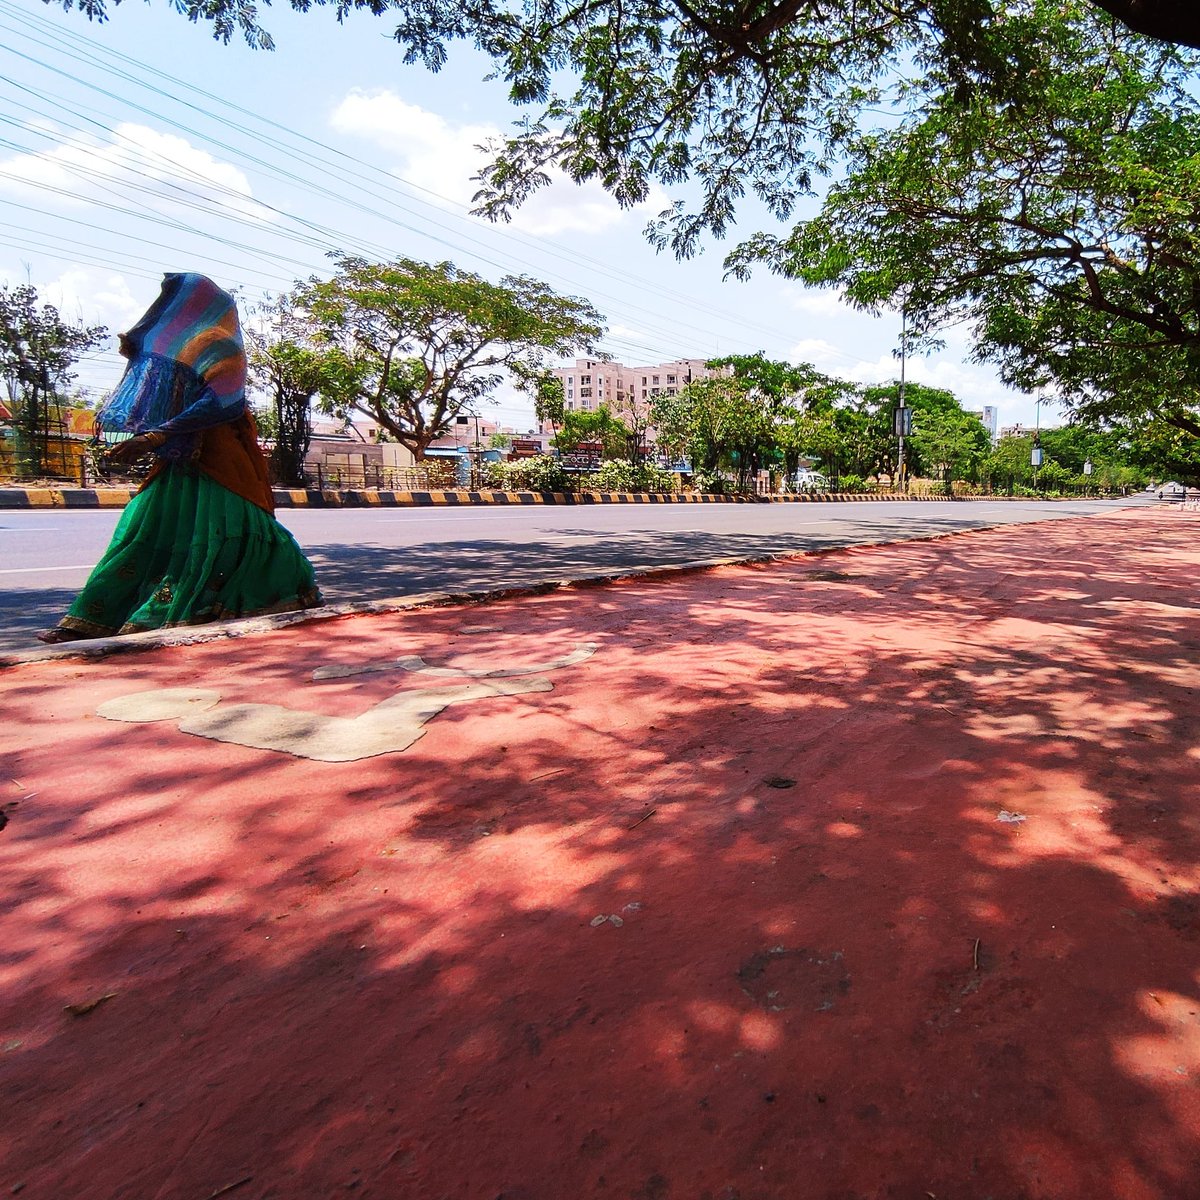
{"x": 539, "y": 474}
{"x": 852, "y": 483}
{"x": 717, "y": 484}
{"x": 615, "y": 476}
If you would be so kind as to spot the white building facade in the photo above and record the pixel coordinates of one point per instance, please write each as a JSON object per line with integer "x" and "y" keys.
{"x": 590, "y": 383}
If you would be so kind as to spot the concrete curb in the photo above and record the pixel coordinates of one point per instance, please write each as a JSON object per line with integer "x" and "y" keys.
{"x": 44, "y": 497}
{"x": 90, "y": 498}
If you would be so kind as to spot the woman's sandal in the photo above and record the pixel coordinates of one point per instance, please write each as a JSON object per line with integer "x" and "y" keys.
{"x": 53, "y": 636}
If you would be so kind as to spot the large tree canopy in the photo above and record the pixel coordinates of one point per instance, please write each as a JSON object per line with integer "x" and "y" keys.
{"x": 729, "y": 95}
{"x": 1065, "y": 233}
{"x": 423, "y": 341}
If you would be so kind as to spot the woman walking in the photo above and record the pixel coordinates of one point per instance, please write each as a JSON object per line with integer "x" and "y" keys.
{"x": 199, "y": 542}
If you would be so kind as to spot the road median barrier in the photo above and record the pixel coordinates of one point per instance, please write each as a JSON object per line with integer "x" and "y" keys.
{"x": 91, "y": 498}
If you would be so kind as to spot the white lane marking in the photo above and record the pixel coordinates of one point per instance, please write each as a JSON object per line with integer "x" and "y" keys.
{"x": 35, "y": 570}
{"x": 441, "y": 517}
{"x": 411, "y": 520}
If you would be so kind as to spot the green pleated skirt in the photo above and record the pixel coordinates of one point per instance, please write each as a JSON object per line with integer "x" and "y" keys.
{"x": 187, "y": 551}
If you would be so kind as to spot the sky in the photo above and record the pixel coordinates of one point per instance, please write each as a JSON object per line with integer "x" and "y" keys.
{"x": 140, "y": 146}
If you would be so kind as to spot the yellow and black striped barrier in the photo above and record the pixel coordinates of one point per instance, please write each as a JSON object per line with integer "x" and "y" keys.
{"x": 45, "y": 497}
{"x": 370, "y": 498}
{"x": 90, "y": 498}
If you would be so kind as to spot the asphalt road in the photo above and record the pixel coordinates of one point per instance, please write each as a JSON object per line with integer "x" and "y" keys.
{"x": 377, "y": 554}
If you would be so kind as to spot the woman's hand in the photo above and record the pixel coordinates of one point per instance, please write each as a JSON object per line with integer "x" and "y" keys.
{"x": 131, "y": 450}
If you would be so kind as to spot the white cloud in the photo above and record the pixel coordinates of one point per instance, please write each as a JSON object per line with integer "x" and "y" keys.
{"x": 165, "y": 168}
{"x": 817, "y": 302}
{"x": 825, "y": 356}
{"x": 96, "y": 297}
{"x": 442, "y": 157}
{"x": 975, "y": 386}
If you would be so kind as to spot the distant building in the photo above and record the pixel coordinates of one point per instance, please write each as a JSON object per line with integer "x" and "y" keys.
{"x": 989, "y": 418}
{"x": 1020, "y": 430}
{"x": 590, "y": 383}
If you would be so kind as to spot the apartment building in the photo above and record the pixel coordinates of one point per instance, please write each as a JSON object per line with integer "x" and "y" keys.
{"x": 989, "y": 418}
{"x": 590, "y": 383}
{"x": 1019, "y": 430}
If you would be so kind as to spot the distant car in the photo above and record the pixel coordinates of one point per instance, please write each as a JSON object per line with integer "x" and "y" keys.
{"x": 809, "y": 481}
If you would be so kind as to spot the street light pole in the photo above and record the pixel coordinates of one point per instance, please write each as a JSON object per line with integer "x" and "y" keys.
{"x": 1035, "y": 456}
{"x": 901, "y": 411}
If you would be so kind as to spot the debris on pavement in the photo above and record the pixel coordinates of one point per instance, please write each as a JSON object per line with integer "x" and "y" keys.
{"x": 84, "y": 1007}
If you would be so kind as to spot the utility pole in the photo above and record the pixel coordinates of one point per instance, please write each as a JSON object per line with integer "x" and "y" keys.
{"x": 477, "y": 458}
{"x": 1035, "y": 456}
{"x": 903, "y": 416}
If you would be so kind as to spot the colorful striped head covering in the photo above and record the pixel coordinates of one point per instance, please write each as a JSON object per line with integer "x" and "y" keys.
{"x": 187, "y": 366}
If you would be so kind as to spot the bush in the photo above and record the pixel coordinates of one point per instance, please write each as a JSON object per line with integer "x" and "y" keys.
{"x": 710, "y": 482}
{"x": 852, "y": 483}
{"x": 717, "y": 484}
{"x": 617, "y": 476}
{"x": 539, "y": 474}
{"x": 1053, "y": 476}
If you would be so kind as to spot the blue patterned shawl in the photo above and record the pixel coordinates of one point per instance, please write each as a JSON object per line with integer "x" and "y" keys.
{"x": 187, "y": 367}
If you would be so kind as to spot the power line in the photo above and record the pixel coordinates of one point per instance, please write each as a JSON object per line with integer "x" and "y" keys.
{"x": 313, "y": 237}
{"x": 540, "y": 244}
{"x": 598, "y": 265}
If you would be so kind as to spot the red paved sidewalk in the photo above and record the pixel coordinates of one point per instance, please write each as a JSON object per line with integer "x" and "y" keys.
{"x": 833, "y": 972}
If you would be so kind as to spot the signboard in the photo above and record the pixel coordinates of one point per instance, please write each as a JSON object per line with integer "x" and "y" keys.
{"x": 585, "y": 457}
{"x": 525, "y": 448}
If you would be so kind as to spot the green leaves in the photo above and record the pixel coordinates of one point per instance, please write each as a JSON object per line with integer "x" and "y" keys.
{"x": 1062, "y": 229}
{"x": 38, "y": 351}
{"x": 421, "y": 342}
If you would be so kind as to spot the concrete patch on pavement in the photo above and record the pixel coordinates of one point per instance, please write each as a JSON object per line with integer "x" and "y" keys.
{"x": 163, "y": 704}
{"x": 580, "y": 654}
{"x": 388, "y": 728}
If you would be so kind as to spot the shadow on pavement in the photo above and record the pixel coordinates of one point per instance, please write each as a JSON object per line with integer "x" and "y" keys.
{"x": 363, "y": 572}
{"x": 835, "y": 972}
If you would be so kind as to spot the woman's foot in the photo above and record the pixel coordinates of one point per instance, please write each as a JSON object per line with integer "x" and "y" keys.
{"x": 53, "y": 636}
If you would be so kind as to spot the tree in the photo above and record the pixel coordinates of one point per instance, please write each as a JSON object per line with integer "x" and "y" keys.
{"x": 593, "y": 425}
{"x": 549, "y": 404}
{"x": 719, "y": 422}
{"x": 1009, "y": 464}
{"x": 732, "y": 96}
{"x": 1163, "y": 452}
{"x": 947, "y": 442}
{"x": 426, "y": 341}
{"x": 950, "y": 443}
{"x": 1062, "y": 231}
{"x": 38, "y": 350}
{"x": 787, "y": 393}
{"x": 284, "y": 362}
